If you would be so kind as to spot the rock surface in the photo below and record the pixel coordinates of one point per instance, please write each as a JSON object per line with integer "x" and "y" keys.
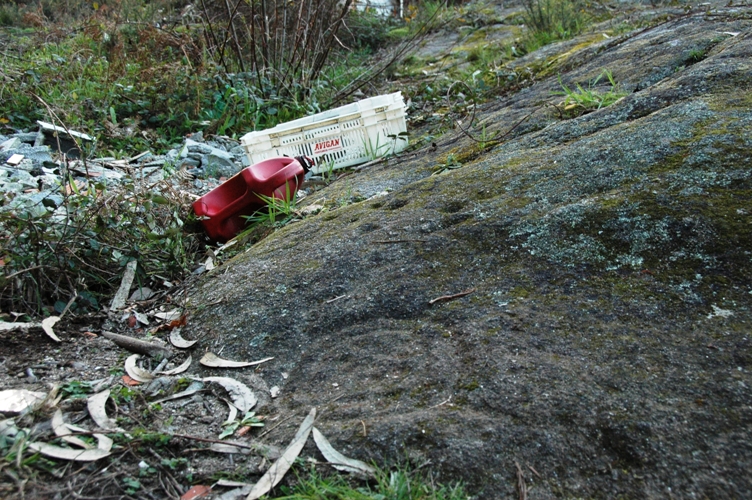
{"x": 606, "y": 339}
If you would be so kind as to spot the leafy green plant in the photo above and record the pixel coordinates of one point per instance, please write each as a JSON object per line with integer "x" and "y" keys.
{"x": 450, "y": 164}
{"x": 582, "y": 100}
{"x": 249, "y": 420}
{"x": 131, "y": 485}
{"x": 174, "y": 463}
{"x": 76, "y": 389}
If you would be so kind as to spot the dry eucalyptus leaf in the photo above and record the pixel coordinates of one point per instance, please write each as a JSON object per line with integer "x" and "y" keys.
{"x": 49, "y": 450}
{"x": 47, "y": 324}
{"x": 61, "y": 430}
{"x": 242, "y": 397}
{"x": 337, "y": 459}
{"x": 13, "y": 401}
{"x": 118, "y": 301}
{"x": 178, "y": 395}
{"x": 96, "y": 406}
{"x": 228, "y": 448}
{"x": 103, "y": 442}
{"x": 180, "y": 369}
{"x": 233, "y": 412}
{"x": 278, "y": 470}
{"x": 136, "y": 373}
{"x": 169, "y": 315}
{"x": 178, "y": 341}
{"x": 213, "y": 361}
{"x": 231, "y": 484}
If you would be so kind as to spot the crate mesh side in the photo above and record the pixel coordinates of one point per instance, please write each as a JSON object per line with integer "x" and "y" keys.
{"x": 358, "y": 143}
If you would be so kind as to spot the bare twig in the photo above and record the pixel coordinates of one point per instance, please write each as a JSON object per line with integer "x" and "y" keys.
{"x": 399, "y": 241}
{"x": 138, "y": 346}
{"x": 214, "y": 441}
{"x": 441, "y": 404}
{"x": 534, "y": 471}
{"x": 521, "y": 486}
{"x": 23, "y": 271}
{"x": 70, "y": 303}
{"x": 278, "y": 424}
{"x": 497, "y": 139}
{"x": 445, "y": 298}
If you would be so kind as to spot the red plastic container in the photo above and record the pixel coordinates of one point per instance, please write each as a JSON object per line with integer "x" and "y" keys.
{"x": 223, "y": 207}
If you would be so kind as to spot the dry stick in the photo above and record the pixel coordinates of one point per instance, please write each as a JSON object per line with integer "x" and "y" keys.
{"x": 319, "y": 62}
{"x": 396, "y": 55}
{"x": 498, "y": 139}
{"x": 445, "y": 298}
{"x": 214, "y": 441}
{"x": 440, "y": 404}
{"x": 23, "y": 271}
{"x": 521, "y": 486}
{"x": 534, "y": 471}
{"x": 70, "y": 303}
{"x": 220, "y": 49}
{"x": 62, "y": 124}
{"x": 234, "y": 33}
{"x": 272, "y": 428}
{"x": 399, "y": 241}
{"x": 364, "y": 428}
{"x": 264, "y": 34}
{"x": 138, "y": 346}
{"x": 300, "y": 44}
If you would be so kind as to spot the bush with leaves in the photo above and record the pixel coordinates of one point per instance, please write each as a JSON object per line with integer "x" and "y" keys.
{"x": 80, "y": 248}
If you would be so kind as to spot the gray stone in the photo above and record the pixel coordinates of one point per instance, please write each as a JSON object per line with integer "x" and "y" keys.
{"x": 200, "y": 149}
{"x": 53, "y": 200}
{"x": 27, "y": 164}
{"x": 219, "y": 166}
{"x": 221, "y": 153}
{"x": 11, "y": 144}
{"x": 191, "y": 162}
{"x": 28, "y": 137}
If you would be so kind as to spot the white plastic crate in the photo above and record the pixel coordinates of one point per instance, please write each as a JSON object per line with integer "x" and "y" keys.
{"x": 338, "y": 138}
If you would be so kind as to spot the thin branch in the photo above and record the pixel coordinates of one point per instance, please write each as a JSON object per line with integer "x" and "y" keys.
{"x": 399, "y": 241}
{"x": 445, "y": 298}
{"x": 521, "y": 486}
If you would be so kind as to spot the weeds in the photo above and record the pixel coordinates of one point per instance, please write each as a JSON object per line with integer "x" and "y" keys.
{"x": 78, "y": 242}
{"x": 582, "y": 100}
{"x": 277, "y": 212}
{"x": 374, "y": 149}
{"x": 551, "y": 20}
{"x": 400, "y": 484}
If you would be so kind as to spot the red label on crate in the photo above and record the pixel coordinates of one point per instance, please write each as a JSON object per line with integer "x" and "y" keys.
{"x": 327, "y": 145}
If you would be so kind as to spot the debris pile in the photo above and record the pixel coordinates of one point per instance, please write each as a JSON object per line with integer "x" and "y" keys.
{"x": 31, "y": 179}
